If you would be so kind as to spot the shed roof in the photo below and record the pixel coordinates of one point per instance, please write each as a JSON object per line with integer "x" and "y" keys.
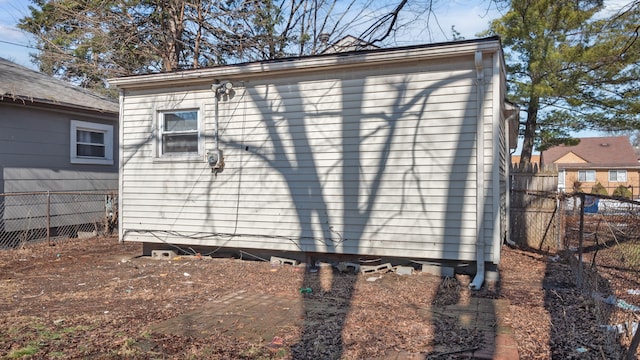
{"x": 349, "y": 43}
{"x": 601, "y": 152}
{"x": 303, "y": 64}
{"x": 28, "y": 86}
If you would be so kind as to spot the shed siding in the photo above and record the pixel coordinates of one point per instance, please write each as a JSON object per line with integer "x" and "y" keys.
{"x": 378, "y": 161}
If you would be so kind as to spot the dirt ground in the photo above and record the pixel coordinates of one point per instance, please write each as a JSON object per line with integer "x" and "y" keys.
{"x": 98, "y": 299}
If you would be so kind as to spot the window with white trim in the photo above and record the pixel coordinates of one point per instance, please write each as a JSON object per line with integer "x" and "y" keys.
{"x": 587, "y": 175}
{"x": 618, "y": 175}
{"x": 91, "y": 143}
{"x": 179, "y": 133}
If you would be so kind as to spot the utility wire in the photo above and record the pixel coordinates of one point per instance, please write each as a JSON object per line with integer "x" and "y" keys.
{"x": 16, "y": 44}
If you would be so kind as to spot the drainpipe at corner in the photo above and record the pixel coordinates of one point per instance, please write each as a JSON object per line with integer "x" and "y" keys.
{"x": 478, "y": 280}
{"x": 121, "y": 95}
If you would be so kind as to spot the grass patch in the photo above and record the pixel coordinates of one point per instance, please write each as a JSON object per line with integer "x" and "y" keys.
{"x": 28, "y": 350}
{"x": 72, "y": 329}
{"x": 127, "y": 348}
{"x": 57, "y": 355}
{"x": 35, "y": 335}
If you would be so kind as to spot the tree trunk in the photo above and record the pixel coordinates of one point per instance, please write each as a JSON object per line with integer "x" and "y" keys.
{"x": 173, "y": 27}
{"x": 530, "y": 130}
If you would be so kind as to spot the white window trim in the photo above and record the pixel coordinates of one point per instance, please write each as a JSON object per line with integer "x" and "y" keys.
{"x": 618, "y": 171}
{"x": 93, "y": 127}
{"x": 157, "y": 148}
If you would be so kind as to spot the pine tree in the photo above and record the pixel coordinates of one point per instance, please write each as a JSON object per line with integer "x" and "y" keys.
{"x": 570, "y": 70}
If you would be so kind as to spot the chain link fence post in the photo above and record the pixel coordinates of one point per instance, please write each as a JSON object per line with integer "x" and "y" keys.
{"x": 49, "y": 218}
{"x": 579, "y": 280}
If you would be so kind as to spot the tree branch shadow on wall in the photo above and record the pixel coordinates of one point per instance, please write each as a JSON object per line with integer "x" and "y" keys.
{"x": 325, "y": 339}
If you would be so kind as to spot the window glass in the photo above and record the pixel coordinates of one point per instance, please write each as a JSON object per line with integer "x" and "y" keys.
{"x": 90, "y": 150}
{"x": 180, "y": 132}
{"x": 90, "y": 137}
{"x": 587, "y": 175}
{"x": 181, "y": 121}
{"x": 618, "y": 175}
{"x": 91, "y": 143}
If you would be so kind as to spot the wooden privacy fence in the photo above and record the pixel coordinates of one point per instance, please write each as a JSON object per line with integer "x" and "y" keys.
{"x": 535, "y": 208}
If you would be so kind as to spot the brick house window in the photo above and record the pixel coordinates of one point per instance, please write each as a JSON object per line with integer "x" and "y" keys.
{"x": 618, "y": 175}
{"x": 586, "y": 175}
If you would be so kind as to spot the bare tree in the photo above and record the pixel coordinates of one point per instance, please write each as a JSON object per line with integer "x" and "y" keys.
{"x": 85, "y": 41}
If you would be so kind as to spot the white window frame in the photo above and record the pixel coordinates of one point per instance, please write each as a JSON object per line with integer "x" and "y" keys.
{"x": 107, "y": 130}
{"x": 583, "y": 175}
{"x": 159, "y": 154}
{"x": 618, "y": 173}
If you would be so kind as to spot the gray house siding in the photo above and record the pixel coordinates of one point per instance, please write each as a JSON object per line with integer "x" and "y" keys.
{"x": 377, "y": 158}
{"x": 35, "y": 157}
{"x": 34, "y": 145}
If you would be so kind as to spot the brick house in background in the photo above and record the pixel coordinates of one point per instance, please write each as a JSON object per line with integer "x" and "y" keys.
{"x": 610, "y": 161}
{"x": 515, "y": 160}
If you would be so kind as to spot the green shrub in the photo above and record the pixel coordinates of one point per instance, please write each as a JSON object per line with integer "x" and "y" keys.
{"x": 598, "y": 189}
{"x": 622, "y": 191}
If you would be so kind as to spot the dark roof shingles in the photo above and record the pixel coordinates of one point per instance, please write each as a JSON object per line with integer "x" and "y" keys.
{"x": 19, "y": 82}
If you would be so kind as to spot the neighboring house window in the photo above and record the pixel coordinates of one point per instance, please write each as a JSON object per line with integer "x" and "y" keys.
{"x": 586, "y": 175}
{"x": 618, "y": 175}
{"x": 91, "y": 143}
{"x": 179, "y": 133}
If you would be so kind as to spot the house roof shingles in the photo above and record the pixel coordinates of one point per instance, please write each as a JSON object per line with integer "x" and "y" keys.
{"x": 598, "y": 152}
{"x": 22, "y": 84}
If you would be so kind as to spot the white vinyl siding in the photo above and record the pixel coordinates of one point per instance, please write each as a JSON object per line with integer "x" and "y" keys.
{"x": 378, "y": 161}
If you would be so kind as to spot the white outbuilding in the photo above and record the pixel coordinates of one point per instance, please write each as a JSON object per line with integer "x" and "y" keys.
{"x": 397, "y": 152}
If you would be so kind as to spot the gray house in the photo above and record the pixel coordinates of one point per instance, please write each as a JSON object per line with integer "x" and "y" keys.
{"x": 53, "y": 137}
{"x": 399, "y": 152}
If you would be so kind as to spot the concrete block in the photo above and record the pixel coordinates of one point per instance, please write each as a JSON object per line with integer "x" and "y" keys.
{"x": 163, "y": 254}
{"x": 87, "y": 234}
{"x": 282, "y": 261}
{"x": 368, "y": 269}
{"x": 345, "y": 266}
{"x": 438, "y": 270}
{"x": 491, "y": 276}
{"x": 404, "y": 270}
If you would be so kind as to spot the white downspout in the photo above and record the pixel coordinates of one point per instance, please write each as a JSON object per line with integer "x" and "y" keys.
{"x": 478, "y": 280}
{"x": 120, "y": 163}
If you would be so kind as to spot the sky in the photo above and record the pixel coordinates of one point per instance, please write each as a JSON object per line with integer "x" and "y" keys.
{"x": 469, "y": 18}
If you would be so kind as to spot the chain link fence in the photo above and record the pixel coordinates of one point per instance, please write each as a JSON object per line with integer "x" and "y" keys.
{"x": 598, "y": 234}
{"x": 602, "y": 239}
{"x": 54, "y": 216}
